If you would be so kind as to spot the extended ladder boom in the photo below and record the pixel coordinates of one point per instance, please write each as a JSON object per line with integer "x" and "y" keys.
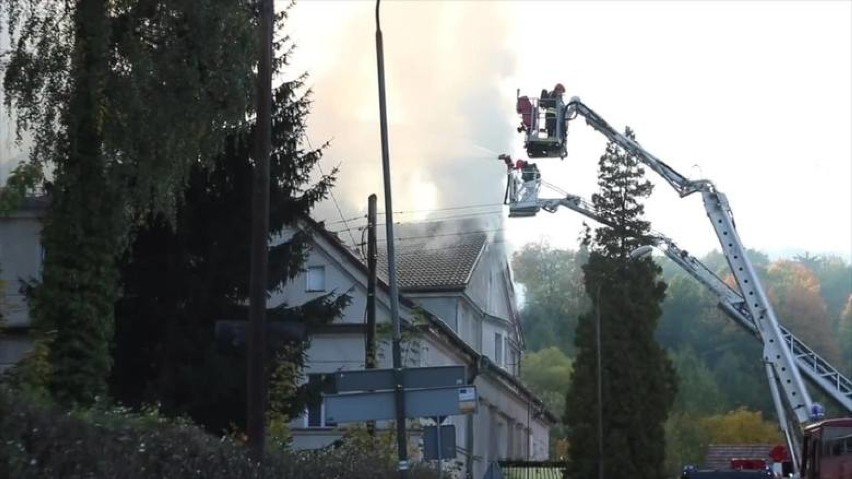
{"x": 731, "y": 302}
{"x": 681, "y": 184}
{"x": 719, "y": 213}
{"x": 823, "y": 374}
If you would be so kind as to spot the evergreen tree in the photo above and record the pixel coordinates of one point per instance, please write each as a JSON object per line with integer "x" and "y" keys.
{"x": 178, "y": 281}
{"x": 638, "y": 380}
{"x": 122, "y": 98}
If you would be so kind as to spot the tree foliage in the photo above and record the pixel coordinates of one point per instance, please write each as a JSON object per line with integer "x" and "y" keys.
{"x": 794, "y": 291}
{"x": 698, "y": 391}
{"x": 22, "y": 182}
{"x": 547, "y": 373}
{"x": 553, "y": 295}
{"x": 718, "y": 362}
{"x": 181, "y": 278}
{"x": 845, "y": 334}
{"x": 835, "y": 281}
{"x": 638, "y": 380}
{"x": 741, "y": 426}
{"x": 171, "y": 76}
{"x": 122, "y": 98}
{"x": 686, "y": 441}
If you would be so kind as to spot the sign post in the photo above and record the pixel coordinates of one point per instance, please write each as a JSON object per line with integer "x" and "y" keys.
{"x": 413, "y": 378}
{"x": 438, "y": 421}
{"x": 368, "y": 395}
{"x": 430, "y": 442}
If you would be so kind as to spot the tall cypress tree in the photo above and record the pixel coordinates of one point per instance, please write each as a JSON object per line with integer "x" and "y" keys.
{"x": 638, "y": 381}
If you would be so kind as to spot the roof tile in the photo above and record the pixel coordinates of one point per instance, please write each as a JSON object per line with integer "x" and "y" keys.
{"x": 435, "y": 255}
{"x": 719, "y": 455}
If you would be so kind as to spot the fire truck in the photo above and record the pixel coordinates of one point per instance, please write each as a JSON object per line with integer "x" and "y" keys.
{"x": 825, "y": 444}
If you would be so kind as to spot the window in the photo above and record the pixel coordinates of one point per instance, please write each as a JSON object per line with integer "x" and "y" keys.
{"x": 315, "y": 410}
{"x": 507, "y": 352}
{"x": 315, "y": 415}
{"x": 498, "y": 349}
{"x": 315, "y": 278}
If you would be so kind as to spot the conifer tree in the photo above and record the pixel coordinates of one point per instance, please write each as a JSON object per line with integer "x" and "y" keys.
{"x": 638, "y": 381}
{"x": 181, "y": 277}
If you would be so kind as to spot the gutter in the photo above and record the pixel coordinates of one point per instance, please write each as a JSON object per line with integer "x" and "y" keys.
{"x": 481, "y": 364}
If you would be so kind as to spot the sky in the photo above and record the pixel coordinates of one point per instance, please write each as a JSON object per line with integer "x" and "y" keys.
{"x": 754, "y": 96}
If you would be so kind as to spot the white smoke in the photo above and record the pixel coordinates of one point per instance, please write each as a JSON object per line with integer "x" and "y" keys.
{"x": 448, "y": 109}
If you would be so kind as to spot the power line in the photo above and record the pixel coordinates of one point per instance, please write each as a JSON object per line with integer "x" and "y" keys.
{"x": 432, "y": 210}
{"x": 446, "y": 235}
{"x": 429, "y": 236}
{"x": 458, "y": 246}
{"x": 344, "y": 220}
{"x": 442, "y": 218}
{"x": 434, "y": 220}
{"x": 483, "y": 205}
{"x": 336, "y": 205}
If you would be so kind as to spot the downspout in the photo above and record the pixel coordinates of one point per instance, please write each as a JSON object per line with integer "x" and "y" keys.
{"x": 469, "y": 442}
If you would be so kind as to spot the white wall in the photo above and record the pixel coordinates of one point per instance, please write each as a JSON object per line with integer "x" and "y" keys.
{"x": 486, "y": 283}
{"x": 444, "y": 307}
{"x": 20, "y": 257}
{"x": 338, "y": 279}
{"x": 499, "y": 407}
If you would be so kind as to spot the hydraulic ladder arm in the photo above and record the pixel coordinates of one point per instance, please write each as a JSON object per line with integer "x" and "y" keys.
{"x": 779, "y": 357}
{"x": 732, "y": 303}
{"x": 821, "y": 372}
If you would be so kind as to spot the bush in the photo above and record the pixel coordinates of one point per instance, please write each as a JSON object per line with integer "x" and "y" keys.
{"x": 38, "y": 440}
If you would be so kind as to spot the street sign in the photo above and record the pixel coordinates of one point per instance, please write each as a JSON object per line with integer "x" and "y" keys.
{"x": 467, "y": 400}
{"x": 412, "y": 378}
{"x": 381, "y": 405}
{"x": 446, "y": 445}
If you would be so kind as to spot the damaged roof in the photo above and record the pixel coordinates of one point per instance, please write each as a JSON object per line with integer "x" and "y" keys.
{"x": 436, "y": 255}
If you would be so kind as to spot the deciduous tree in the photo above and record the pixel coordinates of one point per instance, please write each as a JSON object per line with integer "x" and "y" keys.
{"x": 845, "y": 334}
{"x": 181, "y": 277}
{"x": 122, "y": 98}
{"x": 794, "y": 291}
{"x": 547, "y": 373}
{"x": 553, "y": 295}
{"x": 741, "y": 426}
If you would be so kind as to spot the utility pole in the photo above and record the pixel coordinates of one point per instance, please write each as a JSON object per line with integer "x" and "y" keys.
{"x": 401, "y": 439}
{"x": 600, "y": 382}
{"x": 370, "y": 349}
{"x": 256, "y": 356}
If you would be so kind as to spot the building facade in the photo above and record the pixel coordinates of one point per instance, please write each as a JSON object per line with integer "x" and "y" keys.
{"x": 456, "y": 304}
{"x": 457, "y": 301}
{"x": 20, "y": 261}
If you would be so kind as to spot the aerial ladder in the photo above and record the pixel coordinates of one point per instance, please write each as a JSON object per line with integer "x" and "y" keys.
{"x": 785, "y": 357}
{"x": 731, "y": 302}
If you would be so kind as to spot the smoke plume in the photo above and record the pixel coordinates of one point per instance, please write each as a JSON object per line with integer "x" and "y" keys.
{"x": 450, "y": 105}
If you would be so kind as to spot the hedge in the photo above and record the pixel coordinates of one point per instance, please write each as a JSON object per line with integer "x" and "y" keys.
{"x": 37, "y": 440}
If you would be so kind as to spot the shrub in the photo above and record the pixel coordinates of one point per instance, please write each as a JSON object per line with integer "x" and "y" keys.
{"x": 38, "y": 440}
